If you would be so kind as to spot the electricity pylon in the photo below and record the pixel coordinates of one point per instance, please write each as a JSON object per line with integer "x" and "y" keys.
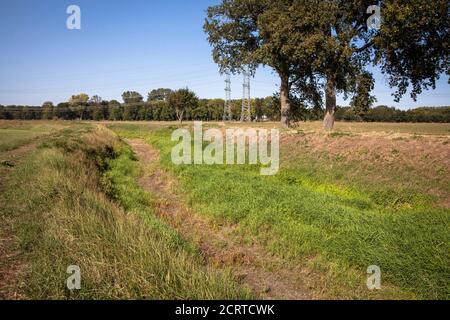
{"x": 246, "y": 98}
{"x": 227, "y": 108}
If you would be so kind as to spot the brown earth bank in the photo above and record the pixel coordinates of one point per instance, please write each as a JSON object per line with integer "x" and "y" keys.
{"x": 419, "y": 162}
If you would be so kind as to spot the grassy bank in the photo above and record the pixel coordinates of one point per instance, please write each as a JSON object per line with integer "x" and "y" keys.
{"x": 63, "y": 217}
{"x": 335, "y": 230}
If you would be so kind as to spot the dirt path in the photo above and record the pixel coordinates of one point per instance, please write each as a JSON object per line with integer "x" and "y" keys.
{"x": 221, "y": 245}
{"x": 12, "y": 261}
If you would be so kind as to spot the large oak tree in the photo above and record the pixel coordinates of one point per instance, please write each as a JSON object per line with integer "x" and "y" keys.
{"x": 313, "y": 44}
{"x": 247, "y": 33}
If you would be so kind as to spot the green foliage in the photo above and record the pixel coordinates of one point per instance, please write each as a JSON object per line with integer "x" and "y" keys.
{"x": 130, "y": 97}
{"x": 79, "y": 106}
{"x": 387, "y": 114}
{"x": 47, "y": 110}
{"x": 212, "y": 110}
{"x": 161, "y": 94}
{"x": 115, "y": 110}
{"x": 247, "y": 33}
{"x": 412, "y": 45}
{"x": 308, "y": 49}
{"x": 363, "y": 100}
{"x": 183, "y": 101}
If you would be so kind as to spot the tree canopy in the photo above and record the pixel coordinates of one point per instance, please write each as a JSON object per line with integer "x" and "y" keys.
{"x": 183, "y": 100}
{"x": 315, "y": 45}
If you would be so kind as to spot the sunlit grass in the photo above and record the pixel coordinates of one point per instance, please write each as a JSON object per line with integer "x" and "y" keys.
{"x": 63, "y": 217}
{"x": 299, "y": 219}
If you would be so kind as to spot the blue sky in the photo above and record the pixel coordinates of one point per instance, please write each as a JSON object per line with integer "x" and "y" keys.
{"x": 126, "y": 45}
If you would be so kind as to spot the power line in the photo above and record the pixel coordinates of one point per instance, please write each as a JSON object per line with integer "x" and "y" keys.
{"x": 246, "y": 98}
{"x": 227, "y": 108}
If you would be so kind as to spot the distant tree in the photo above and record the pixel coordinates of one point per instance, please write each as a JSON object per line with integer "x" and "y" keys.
{"x": 215, "y": 108}
{"x": 161, "y": 94}
{"x": 79, "y": 99}
{"x": 145, "y": 112}
{"x": 236, "y": 109}
{"x": 346, "y": 114}
{"x": 162, "y": 111}
{"x": 156, "y": 108}
{"x": 18, "y": 114}
{"x": 47, "y": 110}
{"x": 330, "y": 50}
{"x": 130, "y": 97}
{"x": 95, "y": 104}
{"x": 132, "y": 103}
{"x": 271, "y": 108}
{"x": 130, "y": 112}
{"x": 7, "y": 114}
{"x": 115, "y": 110}
{"x": 104, "y": 105}
{"x": 201, "y": 111}
{"x": 96, "y": 100}
{"x": 182, "y": 100}
{"x": 382, "y": 114}
{"x": 259, "y": 102}
{"x": 79, "y": 105}
{"x": 97, "y": 113}
{"x": 63, "y": 111}
{"x": 28, "y": 113}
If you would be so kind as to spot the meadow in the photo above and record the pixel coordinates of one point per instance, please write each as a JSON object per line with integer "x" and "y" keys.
{"x": 107, "y": 197}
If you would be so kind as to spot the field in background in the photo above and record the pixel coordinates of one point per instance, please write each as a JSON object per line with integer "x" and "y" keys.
{"x": 365, "y": 127}
{"x": 18, "y": 133}
{"x": 316, "y": 126}
{"x": 369, "y": 193}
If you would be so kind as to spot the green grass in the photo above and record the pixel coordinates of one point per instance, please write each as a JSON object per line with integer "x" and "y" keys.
{"x": 365, "y": 127}
{"x": 81, "y": 205}
{"x": 337, "y": 230}
{"x": 431, "y": 129}
{"x": 15, "y": 134}
{"x": 63, "y": 217}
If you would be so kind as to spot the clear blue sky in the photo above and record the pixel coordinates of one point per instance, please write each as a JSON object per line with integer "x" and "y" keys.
{"x": 125, "y": 45}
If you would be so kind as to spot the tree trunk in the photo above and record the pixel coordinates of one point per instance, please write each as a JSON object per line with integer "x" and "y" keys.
{"x": 330, "y": 102}
{"x": 180, "y": 115}
{"x": 285, "y": 101}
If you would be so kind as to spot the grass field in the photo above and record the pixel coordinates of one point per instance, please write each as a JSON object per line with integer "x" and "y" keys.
{"x": 15, "y": 133}
{"x": 367, "y": 194}
{"x": 365, "y": 127}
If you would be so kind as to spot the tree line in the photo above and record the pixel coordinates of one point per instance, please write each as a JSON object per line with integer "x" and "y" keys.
{"x": 170, "y": 105}
{"x": 391, "y": 114}
{"x": 161, "y": 105}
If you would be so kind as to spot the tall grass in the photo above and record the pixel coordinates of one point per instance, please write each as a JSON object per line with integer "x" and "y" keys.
{"x": 64, "y": 218}
{"x": 339, "y": 231}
